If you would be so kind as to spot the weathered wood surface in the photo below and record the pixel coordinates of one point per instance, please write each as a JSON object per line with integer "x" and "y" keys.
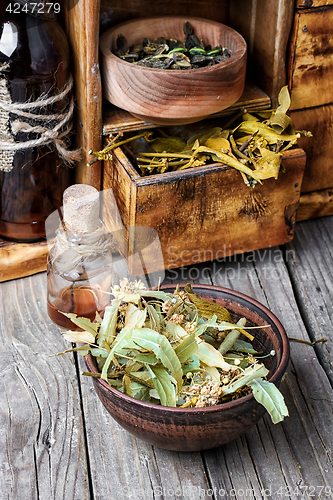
{"x": 58, "y": 442}
{"x": 315, "y": 204}
{"x": 310, "y": 58}
{"x": 213, "y": 198}
{"x": 21, "y": 259}
{"x": 82, "y": 23}
{"x": 266, "y": 28}
{"x": 319, "y": 121}
{"x": 118, "y": 120}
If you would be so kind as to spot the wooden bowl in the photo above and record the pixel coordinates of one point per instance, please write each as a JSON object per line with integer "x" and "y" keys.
{"x": 170, "y": 97}
{"x": 194, "y": 429}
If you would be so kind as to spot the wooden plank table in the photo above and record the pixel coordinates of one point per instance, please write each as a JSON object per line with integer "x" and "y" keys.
{"x": 58, "y": 442}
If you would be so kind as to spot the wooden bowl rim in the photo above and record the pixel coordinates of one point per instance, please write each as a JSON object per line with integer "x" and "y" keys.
{"x": 278, "y": 373}
{"x": 236, "y": 56}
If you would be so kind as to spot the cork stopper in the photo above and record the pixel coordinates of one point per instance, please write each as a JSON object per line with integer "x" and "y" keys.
{"x": 81, "y": 208}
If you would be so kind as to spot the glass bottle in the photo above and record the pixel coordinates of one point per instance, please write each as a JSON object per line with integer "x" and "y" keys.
{"x": 79, "y": 269}
{"x": 34, "y": 62}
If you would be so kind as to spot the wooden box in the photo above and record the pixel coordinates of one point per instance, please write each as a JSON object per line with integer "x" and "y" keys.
{"x": 206, "y": 213}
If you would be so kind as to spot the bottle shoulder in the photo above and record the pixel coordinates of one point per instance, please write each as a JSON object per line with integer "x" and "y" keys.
{"x": 32, "y": 47}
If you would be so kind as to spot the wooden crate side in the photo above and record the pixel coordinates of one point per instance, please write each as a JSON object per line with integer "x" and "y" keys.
{"x": 83, "y": 33}
{"x": 211, "y": 214}
{"x": 310, "y": 64}
{"x": 315, "y": 204}
{"x": 118, "y": 211}
{"x": 266, "y": 27}
{"x": 318, "y": 173}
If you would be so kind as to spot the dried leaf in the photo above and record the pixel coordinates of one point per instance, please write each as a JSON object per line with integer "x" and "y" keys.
{"x": 249, "y": 374}
{"x": 187, "y": 348}
{"x": 161, "y": 347}
{"x": 107, "y": 330}
{"x": 126, "y": 381}
{"x": 206, "y": 308}
{"x": 268, "y": 165}
{"x": 83, "y": 323}
{"x": 271, "y": 398}
{"x": 211, "y": 356}
{"x": 81, "y": 337}
{"x": 134, "y": 317}
{"x": 218, "y": 143}
{"x": 123, "y": 336}
{"x": 165, "y": 386}
{"x": 266, "y": 132}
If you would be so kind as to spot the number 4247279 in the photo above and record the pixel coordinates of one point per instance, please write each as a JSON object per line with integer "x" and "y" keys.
{"x": 34, "y": 8}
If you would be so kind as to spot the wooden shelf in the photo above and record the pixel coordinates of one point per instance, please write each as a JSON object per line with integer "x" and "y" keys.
{"x": 117, "y": 120}
{"x": 21, "y": 259}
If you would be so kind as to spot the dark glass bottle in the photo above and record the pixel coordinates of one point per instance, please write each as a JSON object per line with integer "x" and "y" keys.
{"x": 34, "y": 61}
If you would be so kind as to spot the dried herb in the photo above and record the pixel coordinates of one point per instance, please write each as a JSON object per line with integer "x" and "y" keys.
{"x": 174, "y": 349}
{"x": 253, "y": 147}
{"x": 162, "y": 53}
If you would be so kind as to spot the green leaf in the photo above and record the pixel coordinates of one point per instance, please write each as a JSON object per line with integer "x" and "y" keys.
{"x": 211, "y": 356}
{"x": 191, "y": 364}
{"x": 154, "y": 294}
{"x": 213, "y": 373}
{"x": 123, "y": 336}
{"x": 176, "y": 331}
{"x": 249, "y": 374}
{"x": 242, "y": 346}
{"x": 188, "y": 347}
{"x": 271, "y": 398}
{"x": 108, "y": 326}
{"x": 83, "y": 323}
{"x": 165, "y": 386}
{"x": 146, "y": 357}
{"x": 162, "y": 348}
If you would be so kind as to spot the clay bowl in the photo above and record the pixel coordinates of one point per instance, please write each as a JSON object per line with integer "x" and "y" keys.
{"x": 171, "y": 97}
{"x": 194, "y": 429}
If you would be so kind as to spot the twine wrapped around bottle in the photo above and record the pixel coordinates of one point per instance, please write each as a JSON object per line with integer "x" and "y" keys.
{"x": 53, "y": 129}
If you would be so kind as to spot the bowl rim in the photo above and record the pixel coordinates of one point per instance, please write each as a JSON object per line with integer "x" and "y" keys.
{"x": 278, "y": 373}
{"x": 236, "y": 56}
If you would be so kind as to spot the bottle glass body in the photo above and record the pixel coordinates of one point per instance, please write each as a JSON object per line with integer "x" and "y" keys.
{"x": 79, "y": 276}
{"x": 34, "y": 61}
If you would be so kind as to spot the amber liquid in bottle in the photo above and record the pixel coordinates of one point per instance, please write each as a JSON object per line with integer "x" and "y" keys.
{"x": 39, "y": 64}
{"x": 80, "y": 300}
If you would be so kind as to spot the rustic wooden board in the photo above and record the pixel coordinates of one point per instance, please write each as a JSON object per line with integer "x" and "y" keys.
{"x": 312, "y": 278}
{"x": 42, "y": 450}
{"x": 265, "y": 27}
{"x": 207, "y": 212}
{"x": 21, "y": 259}
{"x": 82, "y": 23}
{"x": 310, "y": 67}
{"x": 269, "y": 460}
{"x": 315, "y": 204}
{"x": 44, "y": 427}
{"x": 319, "y": 121}
{"x": 117, "y": 120}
